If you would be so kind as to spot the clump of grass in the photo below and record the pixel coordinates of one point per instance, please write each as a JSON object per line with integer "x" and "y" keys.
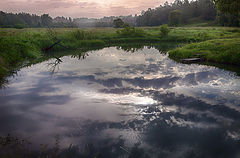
{"x": 202, "y": 36}
{"x": 83, "y": 35}
{"x": 219, "y": 51}
{"x": 13, "y": 53}
{"x": 164, "y": 30}
{"x": 13, "y": 49}
{"x": 130, "y": 31}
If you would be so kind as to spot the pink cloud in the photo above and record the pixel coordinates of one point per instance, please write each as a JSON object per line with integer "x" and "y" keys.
{"x": 79, "y": 8}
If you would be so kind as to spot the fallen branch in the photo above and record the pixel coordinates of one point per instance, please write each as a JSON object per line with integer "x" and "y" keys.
{"x": 51, "y": 46}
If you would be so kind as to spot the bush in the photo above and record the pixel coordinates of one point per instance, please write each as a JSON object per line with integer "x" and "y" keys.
{"x": 164, "y": 30}
{"x": 118, "y": 23}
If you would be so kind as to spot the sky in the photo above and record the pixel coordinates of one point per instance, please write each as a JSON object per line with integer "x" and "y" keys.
{"x": 79, "y": 8}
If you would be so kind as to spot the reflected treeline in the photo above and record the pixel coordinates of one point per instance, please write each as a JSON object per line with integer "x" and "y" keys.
{"x": 82, "y": 55}
{"x": 130, "y": 48}
{"x": 79, "y": 53}
{"x": 162, "y": 47}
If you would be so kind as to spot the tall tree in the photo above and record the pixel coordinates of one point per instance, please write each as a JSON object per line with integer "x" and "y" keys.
{"x": 46, "y": 20}
{"x": 117, "y": 23}
{"x": 228, "y": 6}
{"x": 229, "y": 12}
{"x": 175, "y": 18}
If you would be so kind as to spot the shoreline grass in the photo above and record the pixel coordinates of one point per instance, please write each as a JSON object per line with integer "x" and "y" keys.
{"x": 225, "y": 51}
{"x": 18, "y": 46}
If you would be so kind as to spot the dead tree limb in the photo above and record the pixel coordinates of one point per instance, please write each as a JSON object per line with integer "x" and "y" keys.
{"x": 51, "y": 46}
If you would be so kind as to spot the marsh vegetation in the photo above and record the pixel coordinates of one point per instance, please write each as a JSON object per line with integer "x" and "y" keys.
{"x": 25, "y": 46}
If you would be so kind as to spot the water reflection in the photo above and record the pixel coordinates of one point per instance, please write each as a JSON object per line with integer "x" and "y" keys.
{"x": 125, "y": 104}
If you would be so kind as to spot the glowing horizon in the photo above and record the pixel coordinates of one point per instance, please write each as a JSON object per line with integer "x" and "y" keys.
{"x": 79, "y": 8}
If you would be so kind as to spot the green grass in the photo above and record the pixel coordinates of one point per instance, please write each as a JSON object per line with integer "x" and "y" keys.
{"x": 220, "y": 50}
{"x": 18, "y": 46}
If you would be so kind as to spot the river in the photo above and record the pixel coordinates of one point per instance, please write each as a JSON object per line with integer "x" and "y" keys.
{"x": 125, "y": 104}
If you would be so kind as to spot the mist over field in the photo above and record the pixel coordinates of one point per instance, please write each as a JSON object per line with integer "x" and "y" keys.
{"x": 79, "y": 8}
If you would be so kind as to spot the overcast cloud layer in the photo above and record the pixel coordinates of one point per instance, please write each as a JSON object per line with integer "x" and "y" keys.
{"x": 79, "y": 8}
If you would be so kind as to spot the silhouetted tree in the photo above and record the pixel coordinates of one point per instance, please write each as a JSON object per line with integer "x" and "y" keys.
{"x": 46, "y": 20}
{"x": 191, "y": 11}
{"x": 117, "y": 23}
{"x": 229, "y": 12}
{"x": 175, "y": 18}
{"x": 228, "y": 6}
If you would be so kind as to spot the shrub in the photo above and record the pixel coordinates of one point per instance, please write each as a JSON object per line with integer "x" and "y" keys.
{"x": 125, "y": 25}
{"x": 164, "y": 30}
{"x": 118, "y": 23}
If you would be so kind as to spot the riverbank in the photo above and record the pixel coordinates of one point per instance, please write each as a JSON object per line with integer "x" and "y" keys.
{"x": 21, "y": 46}
{"x": 225, "y": 51}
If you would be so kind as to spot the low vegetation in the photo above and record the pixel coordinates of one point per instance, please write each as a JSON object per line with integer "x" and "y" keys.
{"x": 219, "y": 51}
{"x": 164, "y": 30}
{"x": 18, "y": 47}
{"x": 130, "y": 31}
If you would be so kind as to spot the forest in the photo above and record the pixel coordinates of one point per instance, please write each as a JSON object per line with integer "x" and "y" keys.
{"x": 178, "y": 13}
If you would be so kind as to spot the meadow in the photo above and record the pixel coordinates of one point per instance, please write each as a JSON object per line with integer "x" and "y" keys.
{"x": 19, "y": 47}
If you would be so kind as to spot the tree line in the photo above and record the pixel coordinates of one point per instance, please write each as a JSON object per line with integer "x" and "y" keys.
{"x": 180, "y": 12}
{"x": 25, "y": 20}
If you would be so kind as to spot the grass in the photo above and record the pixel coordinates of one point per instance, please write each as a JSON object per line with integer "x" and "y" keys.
{"x": 225, "y": 51}
{"x": 18, "y": 46}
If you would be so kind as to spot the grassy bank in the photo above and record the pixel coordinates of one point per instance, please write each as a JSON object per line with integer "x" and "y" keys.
{"x": 19, "y": 46}
{"x": 226, "y": 51}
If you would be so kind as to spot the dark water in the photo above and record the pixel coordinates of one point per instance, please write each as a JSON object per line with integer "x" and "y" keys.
{"x": 125, "y": 104}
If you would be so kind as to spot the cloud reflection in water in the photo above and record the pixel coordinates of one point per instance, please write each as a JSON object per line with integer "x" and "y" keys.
{"x": 140, "y": 100}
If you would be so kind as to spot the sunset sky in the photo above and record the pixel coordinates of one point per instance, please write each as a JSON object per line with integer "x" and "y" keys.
{"x": 79, "y": 8}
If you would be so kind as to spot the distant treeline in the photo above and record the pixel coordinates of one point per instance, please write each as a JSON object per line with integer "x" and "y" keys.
{"x": 24, "y": 20}
{"x": 185, "y": 12}
{"x": 180, "y": 12}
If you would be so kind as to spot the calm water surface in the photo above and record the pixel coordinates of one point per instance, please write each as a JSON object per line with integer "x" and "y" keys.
{"x": 126, "y": 104}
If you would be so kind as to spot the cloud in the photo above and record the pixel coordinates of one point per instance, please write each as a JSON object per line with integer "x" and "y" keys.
{"x": 79, "y": 8}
